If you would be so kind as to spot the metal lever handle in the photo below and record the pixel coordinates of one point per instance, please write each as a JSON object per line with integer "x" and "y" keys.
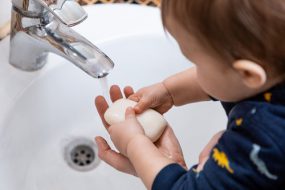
{"x": 69, "y": 12}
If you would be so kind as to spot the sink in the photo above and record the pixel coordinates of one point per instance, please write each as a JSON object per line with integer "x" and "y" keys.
{"x": 49, "y": 112}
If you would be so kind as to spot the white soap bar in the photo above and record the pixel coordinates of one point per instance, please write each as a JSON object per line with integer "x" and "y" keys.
{"x": 152, "y": 122}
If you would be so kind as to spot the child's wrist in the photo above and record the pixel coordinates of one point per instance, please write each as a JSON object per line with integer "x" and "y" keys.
{"x": 135, "y": 143}
{"x": 164, "y": 84}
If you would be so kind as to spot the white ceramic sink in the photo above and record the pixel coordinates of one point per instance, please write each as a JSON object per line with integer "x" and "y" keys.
{"x": 46, "y": 110}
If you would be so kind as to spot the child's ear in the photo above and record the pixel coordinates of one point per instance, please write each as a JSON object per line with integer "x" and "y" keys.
{"x": 252, "y": 74}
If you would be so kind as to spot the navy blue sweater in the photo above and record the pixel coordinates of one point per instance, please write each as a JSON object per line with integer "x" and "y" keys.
{"x": 250, "y": 155}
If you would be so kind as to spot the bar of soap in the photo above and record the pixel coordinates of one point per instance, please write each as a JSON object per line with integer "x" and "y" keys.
{"x": 152, "y": 122}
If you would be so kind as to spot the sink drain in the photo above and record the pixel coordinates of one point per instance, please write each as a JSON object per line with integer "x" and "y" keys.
{"x": 81, "y": 154}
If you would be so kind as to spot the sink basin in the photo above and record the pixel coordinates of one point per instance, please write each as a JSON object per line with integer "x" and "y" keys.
{"x": 48, "y": 111}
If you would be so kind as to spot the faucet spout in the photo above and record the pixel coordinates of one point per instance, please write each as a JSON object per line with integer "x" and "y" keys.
{"x": 32, "y": 38}
{"x": 67, "y": 43}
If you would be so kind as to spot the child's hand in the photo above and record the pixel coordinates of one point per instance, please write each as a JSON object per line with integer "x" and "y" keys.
{"x": 155, "y": 96}
{"x": 168, "y": 144}
{"x": 124, "y": 132}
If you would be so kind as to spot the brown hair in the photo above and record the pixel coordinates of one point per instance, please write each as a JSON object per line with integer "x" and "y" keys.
{"x": 235, "y": 29}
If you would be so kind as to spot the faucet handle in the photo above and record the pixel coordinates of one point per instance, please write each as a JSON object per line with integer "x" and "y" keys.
{"x": 69, "y": 12}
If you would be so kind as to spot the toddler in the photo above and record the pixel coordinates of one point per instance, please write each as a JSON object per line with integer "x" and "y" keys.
{"x": 238, "y": 48}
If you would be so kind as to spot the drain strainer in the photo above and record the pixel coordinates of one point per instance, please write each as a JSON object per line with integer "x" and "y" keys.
{"x": 81, "y": 154}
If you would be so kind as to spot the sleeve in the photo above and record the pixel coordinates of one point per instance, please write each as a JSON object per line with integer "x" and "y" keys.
{"x": 175, "y": 177}
{"x": 245, "y": 158}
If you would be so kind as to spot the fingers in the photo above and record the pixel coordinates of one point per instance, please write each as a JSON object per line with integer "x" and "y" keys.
{"x": 128, "y": 91}
{"x": 115, "y": 93}
{"x": 102, "y": 106}
{"x": 130, "y": 113}
{"x": 134, "y": 97}
{"x": 142, "y": 105}
{"x": 162, "y": 109}
{"x": 114, "y": 159}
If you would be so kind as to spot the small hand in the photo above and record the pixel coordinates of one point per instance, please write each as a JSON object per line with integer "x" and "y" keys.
{"x": 167, "y": 144}
{"x": 124, "y": 132}
{"x": 155, "y": 96}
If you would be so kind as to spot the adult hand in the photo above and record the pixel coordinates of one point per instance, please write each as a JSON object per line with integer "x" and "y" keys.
{"x": 155, "y": 96}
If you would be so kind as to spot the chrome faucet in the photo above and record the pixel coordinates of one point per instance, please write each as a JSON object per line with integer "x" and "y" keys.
{"x": 42, "y": 26}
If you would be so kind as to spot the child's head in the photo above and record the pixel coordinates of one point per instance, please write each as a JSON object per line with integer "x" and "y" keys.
{"x": 238, "y": 46}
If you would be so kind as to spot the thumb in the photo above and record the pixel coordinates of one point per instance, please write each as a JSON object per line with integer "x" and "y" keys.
{"x": 130, "y": 113}
{"x": 142, "y": 105}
